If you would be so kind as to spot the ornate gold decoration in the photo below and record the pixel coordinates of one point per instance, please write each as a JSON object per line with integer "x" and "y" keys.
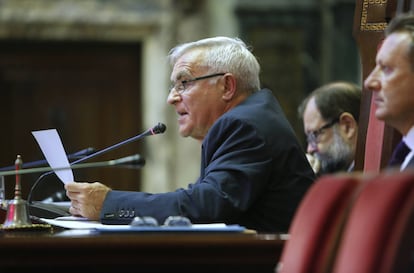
{"x": 372, "y": 26}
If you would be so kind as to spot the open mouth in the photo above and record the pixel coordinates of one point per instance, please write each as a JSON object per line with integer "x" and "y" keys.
{"x": 181, "y": 113}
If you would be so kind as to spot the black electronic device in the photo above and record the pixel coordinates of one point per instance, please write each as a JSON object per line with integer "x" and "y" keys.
{"x": 41, "y": 209}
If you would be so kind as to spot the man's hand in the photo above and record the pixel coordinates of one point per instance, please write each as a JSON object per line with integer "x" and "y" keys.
{"x": 86, "y": 198}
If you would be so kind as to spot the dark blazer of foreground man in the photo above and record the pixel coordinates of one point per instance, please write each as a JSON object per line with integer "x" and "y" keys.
{"x": 253, "y": 170}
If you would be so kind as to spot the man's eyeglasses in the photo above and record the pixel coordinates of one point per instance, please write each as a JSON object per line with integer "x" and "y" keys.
{"x": 180, "y": 86}
{"x": 314, "y": 136}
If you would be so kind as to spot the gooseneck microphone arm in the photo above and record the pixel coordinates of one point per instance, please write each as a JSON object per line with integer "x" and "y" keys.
{"x": 157, "y": 129}
{"x": 114, "y": 162}
{"x": 81, "y": 153}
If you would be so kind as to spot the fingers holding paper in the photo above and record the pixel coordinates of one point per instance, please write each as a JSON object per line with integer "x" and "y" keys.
{"x": 86, "y": 198}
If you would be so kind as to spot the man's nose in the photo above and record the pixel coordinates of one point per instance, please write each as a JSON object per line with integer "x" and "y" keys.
{"x": 173, "y": 97}
{"x": 372, "y": 83}
{"x": 311, "y": 148}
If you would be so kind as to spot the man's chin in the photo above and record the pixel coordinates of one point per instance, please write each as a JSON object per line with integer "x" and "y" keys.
{"x": 380, "y": 114}
{"x": 183, "y": 131}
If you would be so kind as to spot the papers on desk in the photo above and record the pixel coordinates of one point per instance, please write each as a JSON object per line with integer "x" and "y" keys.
{"x": 71, "y": 222}
{"x": 192, "y": 228}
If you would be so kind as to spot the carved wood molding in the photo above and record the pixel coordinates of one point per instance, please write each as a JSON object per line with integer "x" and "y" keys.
{"x": 373, "y": 15}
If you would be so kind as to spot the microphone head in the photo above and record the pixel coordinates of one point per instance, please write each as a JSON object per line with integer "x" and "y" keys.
{"x": 159, "y": 128}
{"x": 86, "y": 151}
{"x": 132, "y": 161}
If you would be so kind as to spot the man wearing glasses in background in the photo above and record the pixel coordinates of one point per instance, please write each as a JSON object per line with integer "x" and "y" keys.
{"x": 330, "y": 119}
{"x": 253, "y": 171}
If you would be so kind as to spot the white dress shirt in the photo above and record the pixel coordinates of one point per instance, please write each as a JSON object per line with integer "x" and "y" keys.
{"x": 409, "y": 140}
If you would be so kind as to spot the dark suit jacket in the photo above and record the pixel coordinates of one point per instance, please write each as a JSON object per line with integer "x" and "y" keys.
{"x": 253, "y": 173}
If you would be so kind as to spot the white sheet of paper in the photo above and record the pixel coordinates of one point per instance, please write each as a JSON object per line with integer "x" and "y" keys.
{"x": 52, "y": 148}
{"x": 74, "y": 222}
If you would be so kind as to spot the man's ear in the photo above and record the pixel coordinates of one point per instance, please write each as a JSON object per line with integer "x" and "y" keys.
{"x": 348, "y": 124}
{"x": 229, "y": 86}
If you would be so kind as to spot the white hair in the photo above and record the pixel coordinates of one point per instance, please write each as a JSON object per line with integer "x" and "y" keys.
{"x": 224, "y": 55}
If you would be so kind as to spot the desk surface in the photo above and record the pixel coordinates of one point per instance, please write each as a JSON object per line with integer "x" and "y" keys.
{"x": 149, "y": 252}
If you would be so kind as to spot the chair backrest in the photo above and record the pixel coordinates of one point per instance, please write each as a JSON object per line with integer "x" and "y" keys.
{"x": 379, "y": 234}
{"x": 317, "y": 225}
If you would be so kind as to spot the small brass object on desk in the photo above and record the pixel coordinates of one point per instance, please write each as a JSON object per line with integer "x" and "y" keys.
{"x": 17, "y": 216}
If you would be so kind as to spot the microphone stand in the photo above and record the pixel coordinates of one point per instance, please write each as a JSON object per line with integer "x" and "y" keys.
{"x": 108, "y": 163}
{"x": 157, "y": 129}
{"x": 17, "y": 216}
{"x": 76, "y": 155}
{"x": 37, "y": 209}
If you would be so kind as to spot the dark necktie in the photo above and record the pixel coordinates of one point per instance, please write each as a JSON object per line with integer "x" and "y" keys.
{"x": 399, "y": 154}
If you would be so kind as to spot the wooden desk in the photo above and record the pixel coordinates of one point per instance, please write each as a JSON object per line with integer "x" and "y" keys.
{"x": 148, "y": 252}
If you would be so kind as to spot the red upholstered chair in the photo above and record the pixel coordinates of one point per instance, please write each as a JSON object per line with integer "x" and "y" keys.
{"x": 379, "y": 234}
{"x": 317, "y": 225}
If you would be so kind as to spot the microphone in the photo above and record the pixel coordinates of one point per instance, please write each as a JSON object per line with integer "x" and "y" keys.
{"x": 81, "y": 153}
{"x": 157, "y": 129}
{"x": 50, "y": 210}
{"x": 132, "y": 159}
{"x": 75, "y": 155}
